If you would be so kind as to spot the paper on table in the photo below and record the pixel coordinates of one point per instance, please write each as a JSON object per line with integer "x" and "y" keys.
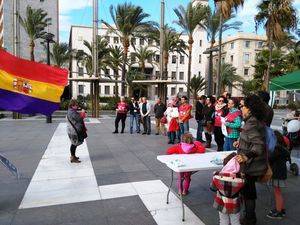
{"x": 177, "y": 163}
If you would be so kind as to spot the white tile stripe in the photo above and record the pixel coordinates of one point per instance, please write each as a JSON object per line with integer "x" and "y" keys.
{"x": 56, "y": 181}
{"x": 153, "y": 194}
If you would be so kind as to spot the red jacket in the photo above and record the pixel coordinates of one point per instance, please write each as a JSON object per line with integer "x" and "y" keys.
{"x": 176, "y": 149}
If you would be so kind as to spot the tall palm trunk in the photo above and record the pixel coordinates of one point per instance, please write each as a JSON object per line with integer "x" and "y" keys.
{"x": 116, "y": 72}
{"x": 210, "y": 71}
{"x": 31, "y": 46}
{"x": 190, "y": 42}
{"x": 267, "y": 78}
{"x": 219, "y": 57}
{"x": 126, "y": 46}
{"x": 166, "y": 61}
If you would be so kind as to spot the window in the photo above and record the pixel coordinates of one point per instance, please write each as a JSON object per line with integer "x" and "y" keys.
{"x": 150, "y": 41}
{"x": 116, "y": 40}
{"x": 107, "y": 38}
{"x": 232, "y": 45}
{"x": 182, "y": 59}
{"x": 157, "y": 58}
{"x": 156, "y": 90}
{"x": 80, "y": 89}
{"x": 149, "y": 60}
{"x": 181, "y": 75}
{"x": 157, "y": 74}
{"x": 180, "y": 89}
{"x": 173, "y": 91}
{"x": 173, "y": 59}
{"x": 231, "y": 58}
{"x": 260, "y": 44}
{"x": 199, "y": 73}
{"x": 247, "y": 44}
{"x": 223, "y": 60}
{"x": 107, "y": 72}
{"x": 80, "y": 71}
{"x": 200, "y": 59}
{"x": 142, "y": 41}
{"x": 133, "y": 40}
{"x": 132, "y": 57}
{"x": 173, "y": 75}
{"x": 106, "y": 90}
{"x": 200, "y": 43}
{"x": 246, "y": 71}
{"x": 247, "y": 58}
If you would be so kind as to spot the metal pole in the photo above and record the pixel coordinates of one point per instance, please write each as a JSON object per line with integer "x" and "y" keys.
{"x": 48, "y": 39}
{"x": 162, "y": 87}
{"x": 219, "y": 55}
{"x": 95, "y": 59}
{"x": 16, "y": 39}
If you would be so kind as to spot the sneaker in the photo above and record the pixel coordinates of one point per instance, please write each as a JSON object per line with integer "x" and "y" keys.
{"x": 73, "y": 159}
{"x": 115, "y": 132}
{"x": 282, "y": 212}
{"x": 184, "y": 193}
{"x": 143, "y": 133}
{"x": 275, "y": 215}
{"x": 156, "y": 133}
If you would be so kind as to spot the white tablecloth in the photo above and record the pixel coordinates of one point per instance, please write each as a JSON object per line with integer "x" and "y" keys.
{"x": 193, "y": 162}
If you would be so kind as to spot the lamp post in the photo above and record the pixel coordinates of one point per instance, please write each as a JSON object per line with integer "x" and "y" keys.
{"x": 49, "y": 39}
{"x": 209, "y": 52}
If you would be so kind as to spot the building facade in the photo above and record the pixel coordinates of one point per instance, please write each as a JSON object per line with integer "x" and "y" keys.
{"x": 50, "y": 6}
{"x": 240, "y": 51}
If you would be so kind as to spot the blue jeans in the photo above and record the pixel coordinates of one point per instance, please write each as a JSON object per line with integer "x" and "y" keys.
{"x": 228, "y": 145}
{"x": 199, "y": 130}
{"x": 135, "y": 117}
{"x": 184, "y": 128}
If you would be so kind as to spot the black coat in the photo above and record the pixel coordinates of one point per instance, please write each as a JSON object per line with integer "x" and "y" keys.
{"x": 199, "y": 111}
{"x": 278, "y": 161}
{"x": 134, "y": 108}
{"x": 208, "y": 114}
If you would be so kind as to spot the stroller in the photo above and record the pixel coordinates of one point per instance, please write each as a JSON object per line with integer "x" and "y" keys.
{"x": 291, "y": 131}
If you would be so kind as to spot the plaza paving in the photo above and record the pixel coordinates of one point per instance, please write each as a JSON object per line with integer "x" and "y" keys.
{"x": 119, "y": 181}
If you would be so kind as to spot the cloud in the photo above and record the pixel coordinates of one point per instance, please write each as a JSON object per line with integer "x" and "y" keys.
{"x": 66, "y": 6}
{"x": 64, "y": 22}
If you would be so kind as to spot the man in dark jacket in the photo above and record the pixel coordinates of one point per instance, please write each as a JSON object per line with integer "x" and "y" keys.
{"x": 159, "y": 109}
{"x": 134, "y": 111}
{"x": 199, "y": 116}
{"x": 269, "y": 113}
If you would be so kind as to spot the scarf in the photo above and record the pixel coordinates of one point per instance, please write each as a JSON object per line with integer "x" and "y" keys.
{"x": 220, "y": 106}
{"x": 187, "y": 148}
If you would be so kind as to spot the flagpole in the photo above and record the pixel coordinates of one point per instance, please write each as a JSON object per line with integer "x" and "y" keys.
{"x": 16, "y": 39}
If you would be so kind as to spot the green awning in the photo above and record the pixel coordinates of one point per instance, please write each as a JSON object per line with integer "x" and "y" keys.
{"x": 289, "y": 81}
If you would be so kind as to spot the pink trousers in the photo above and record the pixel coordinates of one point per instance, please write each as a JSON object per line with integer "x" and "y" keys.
{"x": 183, "y": 182}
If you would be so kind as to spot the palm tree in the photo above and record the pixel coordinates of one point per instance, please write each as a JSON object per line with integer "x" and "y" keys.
{"x": 228, "y": 5}
{"x": 229, "y": 78}
{"x": 34, "y": 24}
{"x": 129, "y": 21}
{"x": 212, "y": 27}
{"x": 60, "y": 54}
{"x": 116, "y": 59}
{"x": 278, "y": 17}
{"x": 197, "y": 85}
{"x": 189, "y": 19}
{"x": 143, "y": 54}
{"x": 86, "y": 59}
{"x": 135, "y": 75}
{"x": 172, "y": 44}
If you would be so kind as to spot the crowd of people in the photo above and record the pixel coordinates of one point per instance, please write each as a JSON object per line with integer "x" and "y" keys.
{"x": 236, "y": 124}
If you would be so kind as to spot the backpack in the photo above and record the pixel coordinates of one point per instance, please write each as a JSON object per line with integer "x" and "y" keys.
{"x": 271, "y": 139}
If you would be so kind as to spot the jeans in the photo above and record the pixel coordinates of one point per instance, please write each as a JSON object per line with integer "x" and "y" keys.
{"x": 147, "y": 124}
{"x": 226, "y": 219}
{"x": 184, "y": 128}
{"x": 171, "y": 136}
{"x": 228, "y": 145}
{"x": 135, "y": 117}
{"x": 199, "y": 130}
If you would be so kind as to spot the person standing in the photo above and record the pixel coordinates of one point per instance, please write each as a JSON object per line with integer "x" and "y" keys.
{"x": 185, "y": 110}
{"x": 172, "y": 123}
{"x": 252, "y": 153}
{"x": 134, "y": 111}
{"x": 233, "y": 123}
{"x": 121, "y": 111}
{"x": 145, "y": 110}
{"x": 221, "y": 110}
{"x": 159, "y": 109}
{"x": 208, "y": 113}
{"x": 200, "y": 117}
{"x": 75, "y": 129}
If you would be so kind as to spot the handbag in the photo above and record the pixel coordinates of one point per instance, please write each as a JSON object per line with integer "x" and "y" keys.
{"x": 163, "y": 120}
{"x": 267, "y": 176}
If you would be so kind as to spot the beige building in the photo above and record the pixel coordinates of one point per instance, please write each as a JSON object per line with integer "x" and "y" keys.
{"x": 240, "y": 50}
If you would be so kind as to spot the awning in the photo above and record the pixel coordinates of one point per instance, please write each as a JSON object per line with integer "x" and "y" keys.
{"x": 289, "y": 81}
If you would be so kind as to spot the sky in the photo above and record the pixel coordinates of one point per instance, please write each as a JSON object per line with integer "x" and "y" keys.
{"x": 79, "y": 12}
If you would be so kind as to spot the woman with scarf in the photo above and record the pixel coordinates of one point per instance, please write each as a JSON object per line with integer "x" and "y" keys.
{"x": 172, "y": 124}
{"x": 187, "y": 146}
{"x": 233, "y": 123}
{"x": 221, "y": 110}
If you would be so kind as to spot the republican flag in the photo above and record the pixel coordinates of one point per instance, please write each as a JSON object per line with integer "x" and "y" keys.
{"x": 28, "y": 87}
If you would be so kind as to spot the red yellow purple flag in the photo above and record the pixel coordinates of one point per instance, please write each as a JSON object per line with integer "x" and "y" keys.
{"x": 28, "y": 87}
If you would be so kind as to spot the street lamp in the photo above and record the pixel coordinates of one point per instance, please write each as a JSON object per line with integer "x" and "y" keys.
{"x": 209, "y": 51}
{"x": 49, "y": 39}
